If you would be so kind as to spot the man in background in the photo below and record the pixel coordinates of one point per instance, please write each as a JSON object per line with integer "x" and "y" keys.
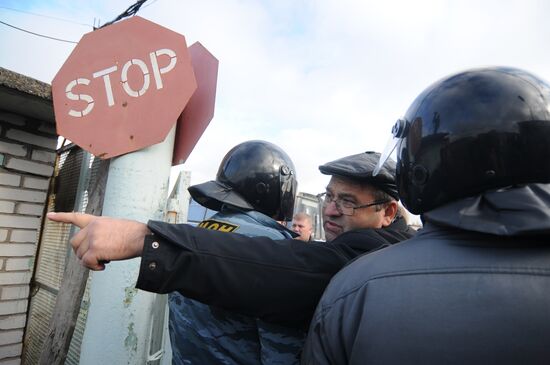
{"x": 303, "y": 226}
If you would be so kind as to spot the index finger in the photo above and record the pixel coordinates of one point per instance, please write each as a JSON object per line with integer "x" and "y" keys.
{"x": 78, "y": 219}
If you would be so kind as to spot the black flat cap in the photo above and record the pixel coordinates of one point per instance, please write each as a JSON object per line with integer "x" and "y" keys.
{"x": 360, "y": 167}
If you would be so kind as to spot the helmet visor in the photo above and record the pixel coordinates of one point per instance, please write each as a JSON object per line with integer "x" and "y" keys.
{"x": 399, "y": 131}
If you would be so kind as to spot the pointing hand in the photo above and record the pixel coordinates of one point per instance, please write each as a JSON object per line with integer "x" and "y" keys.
{"x": 103, "y": 239}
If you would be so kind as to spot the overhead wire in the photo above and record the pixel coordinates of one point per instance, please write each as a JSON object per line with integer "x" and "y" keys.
{"x": 132, "y": 10}
{"x": 46, "y": 16}
{"x": 37, "y": 34}
{"x": 151, "y": 3}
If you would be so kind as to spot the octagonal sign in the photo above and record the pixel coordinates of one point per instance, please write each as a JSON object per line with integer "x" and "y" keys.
{"x": 123, "y": 87}
{"x": 200, "y": 110}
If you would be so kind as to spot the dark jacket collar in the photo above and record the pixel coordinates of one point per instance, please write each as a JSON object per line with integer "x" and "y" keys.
{"x": 400, "y": 224}
{"x": 376, "y": 237}
{"x": 511, "y": 211}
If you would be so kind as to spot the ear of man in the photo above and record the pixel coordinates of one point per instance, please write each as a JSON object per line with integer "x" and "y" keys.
{"x": 390, "y": 211}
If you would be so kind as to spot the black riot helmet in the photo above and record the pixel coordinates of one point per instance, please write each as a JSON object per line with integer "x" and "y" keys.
{"x": 254, "y": 175}
{"x": 474, "y": 131}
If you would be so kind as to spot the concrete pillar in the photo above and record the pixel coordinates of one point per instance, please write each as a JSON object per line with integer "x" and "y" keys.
{"x": 120, "y": 316}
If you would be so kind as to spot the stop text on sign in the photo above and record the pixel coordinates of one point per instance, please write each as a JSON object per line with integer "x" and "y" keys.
{"x": 105, "y": 74}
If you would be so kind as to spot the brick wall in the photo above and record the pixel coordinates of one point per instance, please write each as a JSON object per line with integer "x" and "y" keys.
{"x": 28, "y": 150}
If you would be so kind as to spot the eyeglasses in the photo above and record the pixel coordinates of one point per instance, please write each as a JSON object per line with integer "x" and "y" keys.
{"x": 344, "y": 206}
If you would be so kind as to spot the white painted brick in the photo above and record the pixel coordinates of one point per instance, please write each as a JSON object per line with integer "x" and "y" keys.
{"x": 12, "y": 361}
{"x": 29, "y": 209}
{"x": 30, "y": 138}
{"x": 9, "y": 179}
{"x": 44, "y": 156}
{"x": 22, "y": 195}
{"x": 15, "y": 292}
{"x": 6, "y": 207}
{"x": 11, "y": 337}
{"x": 12, "y": 278}
{"x": 3, "y": 235}
{"x": 13, "y": 149}
{"x": 18, "y": 221}
{"x": 12, "y": 118}
{"x": 17, "y": 249}
{"x": 30, "y": 167}
{"x": 35, "y": 183}
{"x": 18, "y": 235}
{"x": 18, "y": 264}
{"x": 11, "y": 322}
{"x": 13, "y": 307}
{"x": 10, "y": 351}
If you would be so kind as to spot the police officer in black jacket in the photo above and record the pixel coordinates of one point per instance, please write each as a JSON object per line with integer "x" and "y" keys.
{"x": 278, "y": 281}
{"x": 473, "y": 286}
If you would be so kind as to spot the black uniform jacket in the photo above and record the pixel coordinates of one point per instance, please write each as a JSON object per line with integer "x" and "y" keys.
{"x": 278, "y": 281}
{"x": 473, "y": 287}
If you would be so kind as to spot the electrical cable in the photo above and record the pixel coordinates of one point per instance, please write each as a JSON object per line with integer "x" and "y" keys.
{"x": 37, "y": 34}
{"x": 132, "y": 10}
{"x": 151, "y": 3}
{"x": 46, "y": 16}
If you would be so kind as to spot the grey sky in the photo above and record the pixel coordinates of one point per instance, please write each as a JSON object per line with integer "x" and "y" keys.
{"x": 321, "y": 79}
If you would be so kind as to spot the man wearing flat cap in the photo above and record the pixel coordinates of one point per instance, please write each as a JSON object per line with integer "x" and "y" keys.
{"x": 355, "y": 199}
{"x": 279, "y": 281}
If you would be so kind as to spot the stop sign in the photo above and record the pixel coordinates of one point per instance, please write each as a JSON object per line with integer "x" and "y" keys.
{"x": 123, "y": 87}
{"x": 200, "y": 110}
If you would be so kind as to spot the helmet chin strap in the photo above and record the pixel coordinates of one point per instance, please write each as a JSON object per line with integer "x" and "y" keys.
{"x": 398, "y": 133}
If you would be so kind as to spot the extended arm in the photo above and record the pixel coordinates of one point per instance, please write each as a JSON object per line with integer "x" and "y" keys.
{"x": 278, "y": 281}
